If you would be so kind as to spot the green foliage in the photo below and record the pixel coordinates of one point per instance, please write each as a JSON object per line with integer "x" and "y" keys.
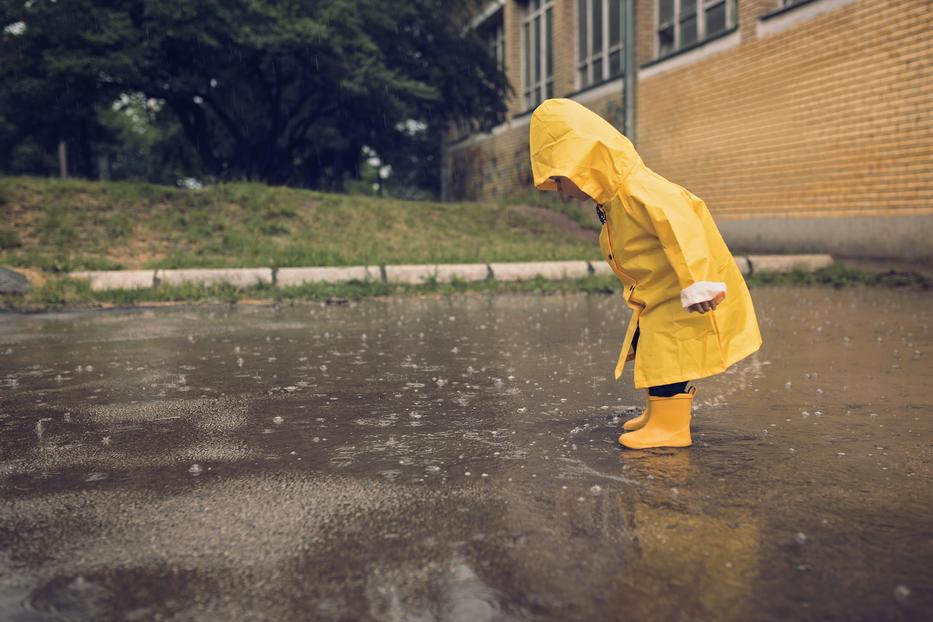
{"x": 145, "y": 142}
{"x": 286, "y": 92}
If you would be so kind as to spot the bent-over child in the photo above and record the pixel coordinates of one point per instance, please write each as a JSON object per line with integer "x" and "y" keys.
{"x": 692, "y": 315}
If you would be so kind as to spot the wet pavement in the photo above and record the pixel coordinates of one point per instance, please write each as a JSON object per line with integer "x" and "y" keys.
{"x": 456, "y": 459}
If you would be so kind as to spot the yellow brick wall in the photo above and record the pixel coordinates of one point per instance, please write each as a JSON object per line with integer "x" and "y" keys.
{"x": 832, "y": 116}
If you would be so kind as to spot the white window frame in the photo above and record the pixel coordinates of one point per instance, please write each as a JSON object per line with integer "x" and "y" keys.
{"x": 584, "y": 65}
{"x": 536, "y": 91}
{"x": 701, "y": 8}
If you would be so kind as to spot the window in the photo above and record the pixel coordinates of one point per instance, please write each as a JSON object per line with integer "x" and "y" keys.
{"x": 682, "y": 23}
{"x": 599, "y": 41}
{"x": 493, "y": 33}
{"x": 538, "y": 66}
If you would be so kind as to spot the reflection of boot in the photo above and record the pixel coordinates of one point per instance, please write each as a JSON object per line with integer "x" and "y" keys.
{"x": 668, "y": 466}
{"x": 668, "y": 423}
{"x": 638, "y": 422}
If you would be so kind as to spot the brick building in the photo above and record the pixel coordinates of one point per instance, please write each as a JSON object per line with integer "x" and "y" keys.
{"x": 806, "y": 125}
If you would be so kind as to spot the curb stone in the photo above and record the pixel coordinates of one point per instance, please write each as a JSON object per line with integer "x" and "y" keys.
{"x": 117, "y": 279}
{"x": 546, "y": 269}
{"x": 787, "y": 263}
{"x": 241, "y": 277}
{"x": 413, "y": 274}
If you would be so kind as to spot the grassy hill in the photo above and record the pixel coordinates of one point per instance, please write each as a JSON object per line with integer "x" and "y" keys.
{"x": 62, "y": 225}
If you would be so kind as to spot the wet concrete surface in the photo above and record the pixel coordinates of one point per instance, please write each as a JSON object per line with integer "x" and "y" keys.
{"x": 456, "y": 459}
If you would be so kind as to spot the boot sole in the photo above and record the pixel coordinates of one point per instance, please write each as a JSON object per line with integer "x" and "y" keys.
{"x": 631, "y": 445}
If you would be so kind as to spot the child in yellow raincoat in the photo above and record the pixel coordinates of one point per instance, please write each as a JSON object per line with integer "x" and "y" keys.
{"x": 692, "y": 315}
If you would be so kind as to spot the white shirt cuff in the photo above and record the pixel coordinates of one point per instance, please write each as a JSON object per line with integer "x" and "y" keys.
{"x": 701, "y": 291}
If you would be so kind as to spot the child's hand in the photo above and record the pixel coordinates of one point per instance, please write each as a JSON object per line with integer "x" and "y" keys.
{"x": 709, "y": 305}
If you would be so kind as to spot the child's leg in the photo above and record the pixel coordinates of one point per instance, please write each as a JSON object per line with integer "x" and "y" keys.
{"x": 668, "y": 390}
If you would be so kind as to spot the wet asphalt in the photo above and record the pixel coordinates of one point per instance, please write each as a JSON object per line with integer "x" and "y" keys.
{"x": 456, "y": 459}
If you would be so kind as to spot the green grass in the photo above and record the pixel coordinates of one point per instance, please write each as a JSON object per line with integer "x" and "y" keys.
{"x": 64, "y": 225}
{"x": 839, "y": 275}
{"x": 8, "y": 237}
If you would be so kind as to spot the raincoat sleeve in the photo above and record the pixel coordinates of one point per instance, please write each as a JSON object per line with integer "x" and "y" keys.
{"x": 670, "y": 212}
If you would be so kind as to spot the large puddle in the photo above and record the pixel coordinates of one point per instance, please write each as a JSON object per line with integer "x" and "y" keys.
{"x": 456, "y": 459}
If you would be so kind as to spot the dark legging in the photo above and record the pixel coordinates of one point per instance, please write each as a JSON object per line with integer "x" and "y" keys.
{"x": 662, "y": 390}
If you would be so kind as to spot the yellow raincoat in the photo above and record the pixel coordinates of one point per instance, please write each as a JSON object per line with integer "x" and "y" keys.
{"x": 659, "y": 240}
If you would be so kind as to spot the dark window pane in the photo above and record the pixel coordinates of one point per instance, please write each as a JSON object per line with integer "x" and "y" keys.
{"x": 598, "y": 69}
{"x": 584, "y": 77}
{"x": 665, "y": 11}
{"x": 615, "y": 21}
{"x": 527, "y": 56}
{"x": 547, "y": 44}
{"x": 549, "y": 91}
{"x": 715, "y": 19}
{"x": 581, "y": 29}
{"x": 597, "y": 26}
{"x": 688, "y": 31}
{"x": 615, "y": 64}
{"x": 687, "y": 8}
{"x": 666, "y": 41}
{"x": 537, "y": 48}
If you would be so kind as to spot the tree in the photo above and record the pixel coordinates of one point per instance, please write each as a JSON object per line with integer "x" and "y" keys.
{"x": 285, "y": 91}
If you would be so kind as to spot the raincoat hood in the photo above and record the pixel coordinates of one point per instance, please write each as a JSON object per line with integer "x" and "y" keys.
{"x": 569, "y": 140}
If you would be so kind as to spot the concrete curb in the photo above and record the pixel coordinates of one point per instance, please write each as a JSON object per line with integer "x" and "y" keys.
{"x": 240, "y": 277}
{"x": 117, "y": 279}
{"x": 544, "y": 269}
{"x": 787, "y": 263}
{"x": 285, "y": 277}
{"x": 411, "y": 274}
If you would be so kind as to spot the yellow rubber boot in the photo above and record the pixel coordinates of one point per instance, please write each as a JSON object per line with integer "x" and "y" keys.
{"x": 668, "y": 423}
{"x": 636, "y": 423}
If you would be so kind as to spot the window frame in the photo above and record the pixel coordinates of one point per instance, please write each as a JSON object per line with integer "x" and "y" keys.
{"x": 536, "y": 91}
{"x": 676, "y": 22}
{"x": 607, "y": 49}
